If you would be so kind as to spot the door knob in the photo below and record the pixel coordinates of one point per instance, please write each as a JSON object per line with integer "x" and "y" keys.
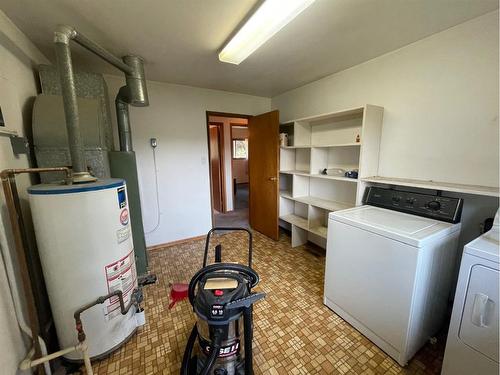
{"x": 273, "y": 178}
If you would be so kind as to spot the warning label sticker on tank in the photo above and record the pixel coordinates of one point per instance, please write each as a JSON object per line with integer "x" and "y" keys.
{"x": 123, "y": 234}
{"x": 120, "y": 275}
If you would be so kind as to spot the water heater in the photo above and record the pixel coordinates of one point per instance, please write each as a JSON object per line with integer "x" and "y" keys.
{"x": 85, "y": 244}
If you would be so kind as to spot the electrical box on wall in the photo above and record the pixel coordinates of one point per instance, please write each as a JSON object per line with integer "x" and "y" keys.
{"x": 20, "y": 145}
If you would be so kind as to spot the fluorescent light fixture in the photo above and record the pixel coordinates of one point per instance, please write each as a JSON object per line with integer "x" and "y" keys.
{"x": 269, "y": 18}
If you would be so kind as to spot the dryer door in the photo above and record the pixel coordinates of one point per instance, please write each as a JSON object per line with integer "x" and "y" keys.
{"x": 479, "y": 325}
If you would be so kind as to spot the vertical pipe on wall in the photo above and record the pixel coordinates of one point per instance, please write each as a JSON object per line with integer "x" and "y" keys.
{"x": 123, "y": 120}
{"x": 68, "y": 89}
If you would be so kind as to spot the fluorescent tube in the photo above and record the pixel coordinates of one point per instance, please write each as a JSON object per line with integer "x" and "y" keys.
{"x": 269, "y": 18}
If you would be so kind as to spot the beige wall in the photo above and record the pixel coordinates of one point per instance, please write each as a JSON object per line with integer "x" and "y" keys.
{"x": 177, "y": 118}
{"x": 440, "y": 96}
{"x": 17, "y": 90}
{"x": 240, "y": 167}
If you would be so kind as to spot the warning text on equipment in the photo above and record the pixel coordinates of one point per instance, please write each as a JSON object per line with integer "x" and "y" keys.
{"x": 120, "y": 275}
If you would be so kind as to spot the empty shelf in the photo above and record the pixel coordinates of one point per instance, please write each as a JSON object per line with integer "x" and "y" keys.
{"x": 296, "y": 220}
{"x": 324, "y": 203}
{"x": 297, "y": 172}
{"x": 338, "y": 178}
{"x": 319, "y": 231}
{"x": 294, "y": 147}
{"x": 338, "y": 145}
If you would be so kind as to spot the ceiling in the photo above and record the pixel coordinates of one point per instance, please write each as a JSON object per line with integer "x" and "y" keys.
{"x": 179, "y": 39}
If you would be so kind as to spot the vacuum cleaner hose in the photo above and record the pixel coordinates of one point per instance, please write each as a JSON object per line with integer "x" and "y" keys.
{"x": 189, "y": 351}
{"x": 212, "y": 356}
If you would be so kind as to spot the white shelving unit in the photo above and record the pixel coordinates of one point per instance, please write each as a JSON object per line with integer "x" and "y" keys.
{"x": 326, "y": 141}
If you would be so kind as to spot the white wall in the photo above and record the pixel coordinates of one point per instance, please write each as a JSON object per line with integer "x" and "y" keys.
{"x": 440, "y": 96}
{"x": 177, "y": 118}
{"x": 17, "y": 90}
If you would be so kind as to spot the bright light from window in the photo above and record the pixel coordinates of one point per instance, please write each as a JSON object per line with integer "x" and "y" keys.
{"x": 240, "y": 148}
{"x": 270, "y": 18}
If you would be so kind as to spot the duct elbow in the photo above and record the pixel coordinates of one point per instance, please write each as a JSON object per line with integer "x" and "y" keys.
{"x": 63, "y": 34}
{"x": 136, "y": 81}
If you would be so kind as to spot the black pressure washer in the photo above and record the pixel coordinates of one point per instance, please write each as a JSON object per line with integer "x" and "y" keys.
{"x": 222, "y": 300}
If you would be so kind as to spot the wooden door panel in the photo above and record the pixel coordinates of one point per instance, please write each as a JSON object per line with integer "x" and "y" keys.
{"x": 263, "y": 169}
{"x": 215, "y": 169}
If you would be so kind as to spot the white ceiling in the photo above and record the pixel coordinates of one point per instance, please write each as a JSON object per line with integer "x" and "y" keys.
{"x": 179, "y": 39}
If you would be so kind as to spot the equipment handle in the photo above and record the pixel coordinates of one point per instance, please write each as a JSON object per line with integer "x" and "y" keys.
{"x": 209, "y": 234}
{"x": 246, "y": 301}
{"x": 240, "y": 268}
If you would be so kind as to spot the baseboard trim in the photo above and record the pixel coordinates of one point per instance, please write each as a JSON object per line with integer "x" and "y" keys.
{"x": 173, "y": 243}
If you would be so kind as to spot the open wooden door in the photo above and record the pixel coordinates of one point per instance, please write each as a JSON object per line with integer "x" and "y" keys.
{"x": 263, "y": 169}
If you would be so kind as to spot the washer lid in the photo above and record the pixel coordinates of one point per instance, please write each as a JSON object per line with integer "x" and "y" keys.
{"x": 410, "y": 229}
{"x": 485, "y": 246}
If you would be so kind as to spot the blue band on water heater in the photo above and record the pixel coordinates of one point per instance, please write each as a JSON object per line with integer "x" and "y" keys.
{"x": 52, "y": 189}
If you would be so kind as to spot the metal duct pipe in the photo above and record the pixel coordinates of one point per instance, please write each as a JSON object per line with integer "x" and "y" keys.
{"x": 123, "y": 120}
{"x": 136, "y": 82}
{"x": 68, "y": 90}
{"x": 136, "y": 92}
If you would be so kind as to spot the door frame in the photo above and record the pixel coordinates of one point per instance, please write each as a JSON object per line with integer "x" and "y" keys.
{"x": 220, "y": 114}
{"x": 222, "y": 162}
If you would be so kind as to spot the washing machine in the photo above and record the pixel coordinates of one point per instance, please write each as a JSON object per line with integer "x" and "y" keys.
{"x": 390, "y": 265}
{"x": 472, "y": 346}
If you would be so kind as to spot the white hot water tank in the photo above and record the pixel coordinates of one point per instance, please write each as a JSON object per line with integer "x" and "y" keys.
{"x": 85, "y": 244}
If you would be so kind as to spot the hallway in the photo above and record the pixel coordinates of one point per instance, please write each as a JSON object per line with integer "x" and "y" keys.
{"x": 239, "y": 216}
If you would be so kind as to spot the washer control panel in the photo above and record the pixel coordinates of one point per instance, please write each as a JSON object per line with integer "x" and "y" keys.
{"x": 426, "y": 205}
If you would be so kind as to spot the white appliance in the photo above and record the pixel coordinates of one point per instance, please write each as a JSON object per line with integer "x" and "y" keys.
{"x": 472, "y": 346}
{"x": 389, "y": 273}
{"x": 85, "y": 244}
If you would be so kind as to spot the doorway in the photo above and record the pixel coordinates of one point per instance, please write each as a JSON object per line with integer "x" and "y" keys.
{"x": 229, "y": 183}
{"x": 245, "y": 173}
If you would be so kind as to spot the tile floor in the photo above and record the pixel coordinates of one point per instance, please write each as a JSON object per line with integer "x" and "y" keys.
{"x": 294, "y": 332}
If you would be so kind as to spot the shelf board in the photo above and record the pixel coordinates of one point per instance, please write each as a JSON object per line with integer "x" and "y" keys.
{"x": 332, "y": 115}
{"x": 338, "y": 145}
{"x": 434, "y": 185}
{"x": 294, "y": 147}
{"x": 300, "y": 173}
{"x": 319, "y": 231}
{"x": 296, "y": 220}
{"x": 324, "y": 176}
{"x": 323, "y": 203}
{"x": 338, "y": 178}
{"x": 324, "y": 146}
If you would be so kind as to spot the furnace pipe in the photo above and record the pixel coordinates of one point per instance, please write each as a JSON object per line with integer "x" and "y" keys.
{"x": 68, "y": 90}
{"x": 123, "y": 120}
{"x": 137, "y": 95}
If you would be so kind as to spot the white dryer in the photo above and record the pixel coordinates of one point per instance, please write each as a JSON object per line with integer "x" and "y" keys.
{"x": 472, "y": 346}
{"x": 389, "y": 269}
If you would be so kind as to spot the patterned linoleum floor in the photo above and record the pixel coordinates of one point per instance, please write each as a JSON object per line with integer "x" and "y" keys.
{"x": 294, "y": 332}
